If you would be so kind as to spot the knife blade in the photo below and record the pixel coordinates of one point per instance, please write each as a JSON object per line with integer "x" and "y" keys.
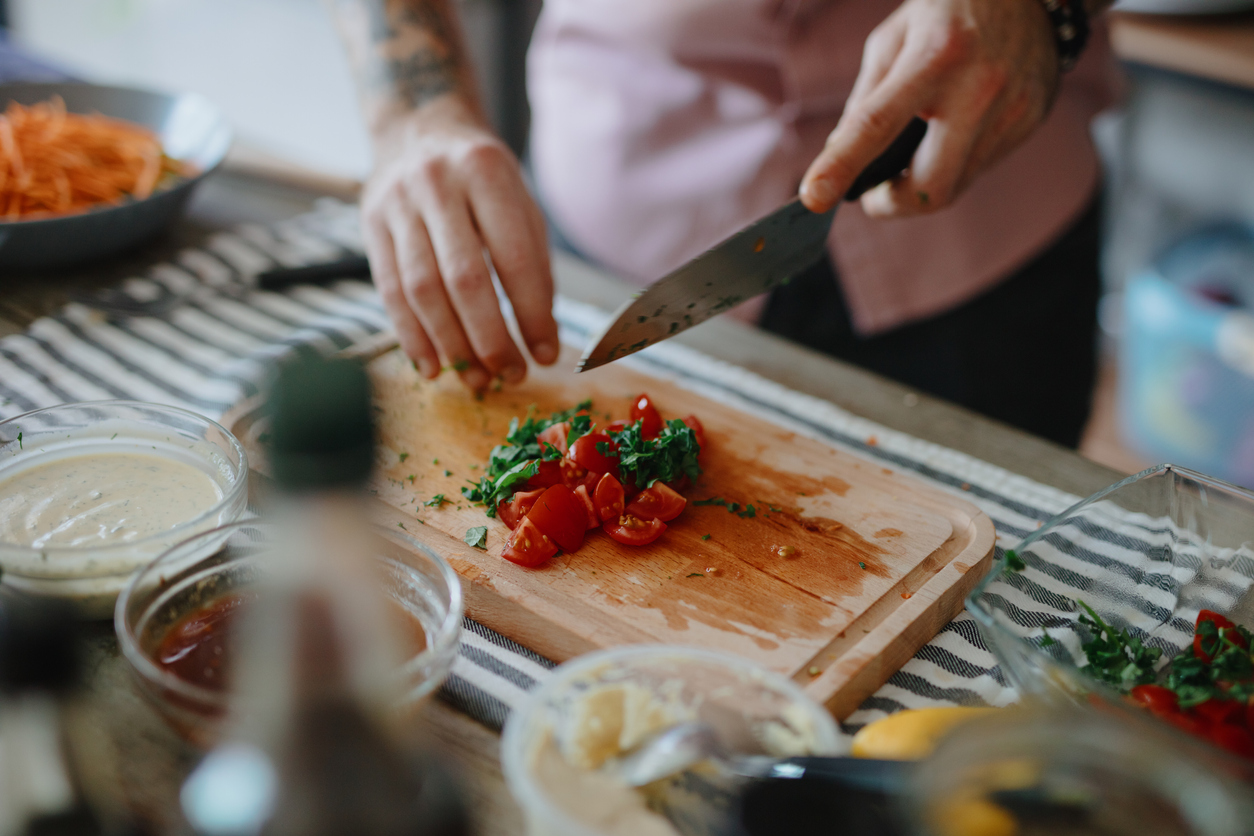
{"x": 762, "y": 256}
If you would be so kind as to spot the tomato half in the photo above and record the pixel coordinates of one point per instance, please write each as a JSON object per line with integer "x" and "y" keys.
{"x": 1220, "y": 712}
{"x": 644, "y": 411}
{"x": 511, "y": 511}
{"x": 589, "y": 507}
{"x": 555, "y": 436}
{"x": 549, "y": 473}
{"x": 585, "y": 452}
{"x": 609, "y": 497}
{"x": 1157, "y": 699}
{"x": 617, "y": 426}
{"x": 527, "y": 546}
{"x": 559, "y": 514}
{"x": 657, "y": 502}
{"x": 1220, "y": 622}
{"x": 633, "y": 531}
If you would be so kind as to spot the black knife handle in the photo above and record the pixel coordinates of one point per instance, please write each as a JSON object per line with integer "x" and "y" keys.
{"x": 350, "y": 267}
{"x": 895, "y": 159}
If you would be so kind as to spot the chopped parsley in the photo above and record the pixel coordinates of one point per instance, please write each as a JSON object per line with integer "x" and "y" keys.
{"x": 861, "y": 565}
{"x": 696, "y": 574}
{"x": 1229, "y": 675}
{"x": 705, "y": 537}
{"x": 19, "y": 442}
{"x": 1013, "y": 562}
{"x": 511, "y": 464}
{"x": 435, "y": 501}
{"x": 1115, "y": 656}
{"x": 643, "y": 461}
{"x": 448, "y": 472}
{"x": 477, "y": 537}
{"x": 745, "y": 512}
{"x": 404, "y": 456}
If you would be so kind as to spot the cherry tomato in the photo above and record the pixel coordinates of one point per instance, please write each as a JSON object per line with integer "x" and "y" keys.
{"x": 585, "y": 452}
{"x": 1156, "y": 698}
{"x": 559, "y": 514}
{"x": 589, "y": 507}
{"x": 609, "y": 497}
{"x": 1220, "y": 712}
{"x": 698, "y": 429}
{"x": 1233, "y": 738}
{"x": 550, "y": 473}
{"x": 657, "y": 502}
{"x": 1220, "y": 622}
{"x": 644, "y": 411}
{"x": 572, "y": 474}
{"x": 511, "y": 511}
{"x": 555, "y": 436}
{"x": 527, "y": 546}
{"x": 633, "y": 531}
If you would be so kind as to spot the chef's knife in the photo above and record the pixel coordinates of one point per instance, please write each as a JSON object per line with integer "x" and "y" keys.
{"x": 761, "y": 256}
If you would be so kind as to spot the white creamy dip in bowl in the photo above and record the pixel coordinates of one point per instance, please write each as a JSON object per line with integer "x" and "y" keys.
{"x": 90, "y": 492}
{"x": 559, "y": 747}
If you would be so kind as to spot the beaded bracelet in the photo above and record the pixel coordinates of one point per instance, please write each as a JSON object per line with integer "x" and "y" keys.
{"x": 1071, "y": 29}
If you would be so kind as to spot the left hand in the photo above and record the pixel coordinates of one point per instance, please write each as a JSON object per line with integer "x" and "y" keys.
{"x": 983, "y": 73}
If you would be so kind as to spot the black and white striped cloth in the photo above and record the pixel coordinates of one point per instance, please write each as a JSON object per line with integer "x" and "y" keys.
{"x": 209, "y": 350}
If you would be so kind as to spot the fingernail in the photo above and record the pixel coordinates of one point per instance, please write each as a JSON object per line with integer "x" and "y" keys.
{"x": 476, "y": 379}
{"x": 545, "y": 353}
{"x": 819, "y": 191}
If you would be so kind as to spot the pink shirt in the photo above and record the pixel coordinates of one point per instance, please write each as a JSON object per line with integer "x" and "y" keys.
{"x": 659, "y": 127}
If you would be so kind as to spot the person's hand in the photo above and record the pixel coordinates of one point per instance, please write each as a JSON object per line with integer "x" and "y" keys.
{"x": 444, "y": 193}
{"x": 983, "y": 73}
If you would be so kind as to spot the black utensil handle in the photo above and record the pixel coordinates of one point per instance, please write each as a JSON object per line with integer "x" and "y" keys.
{"x": 895, "y": 159}
{"x": 350, "y": 267}
{"x": 865, "y": 774}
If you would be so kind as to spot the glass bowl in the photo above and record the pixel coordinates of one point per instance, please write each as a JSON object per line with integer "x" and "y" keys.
{"x": 754, "y": 711}
{"x": 1070, "y": 769}
{"x": 92, "y": 576}
{"x": 1146, "y": 554}
{"x": 233, "y": 558}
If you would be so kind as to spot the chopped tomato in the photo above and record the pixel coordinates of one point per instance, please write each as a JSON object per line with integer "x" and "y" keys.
{"x": 1156, "y": 698}
{"x": 589, "y": 507}
{"x": 609, "y": 497}
{"x": 512, "y": 510}
{"x": 585, "y": 452}
{"x": 572, "y": 474}
{"x": 617, "y": 426}
{"x": 1232, "y": 737}
{"x": 559, "y": 514}
{"x": 527, "y": 546}
{"x": 1215, "y": 711}
{"x": 555, "y": 436}
{"x": 633, "y": 531}
{"x": 646, "y": 413}
{"x": 1186, "y": 723}
{"x": 698, "y": 429}
{"x": 657, "y": 502}
{"x": 1220, "y": 622}
{"x": 550, "y": 473}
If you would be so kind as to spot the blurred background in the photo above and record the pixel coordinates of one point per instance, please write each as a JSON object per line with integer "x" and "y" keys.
{"x": 1178, "y": 377}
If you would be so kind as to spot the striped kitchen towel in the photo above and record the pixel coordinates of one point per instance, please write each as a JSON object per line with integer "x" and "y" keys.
{"x": 204, "y": 340}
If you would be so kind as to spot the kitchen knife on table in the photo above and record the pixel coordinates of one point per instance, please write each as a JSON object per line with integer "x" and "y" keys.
{"x": 761, "y": 256}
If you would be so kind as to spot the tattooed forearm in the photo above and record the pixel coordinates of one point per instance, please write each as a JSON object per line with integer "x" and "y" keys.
{"x": 404, "y": 52}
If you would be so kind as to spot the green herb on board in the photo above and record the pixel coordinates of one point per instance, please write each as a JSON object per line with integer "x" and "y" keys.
{"x": 435, "y": 501}
{"x": 404, "y": 456}
{"x": 861, "y": 565}
{"x": 448, "y": 473}
{"x": 705, "y": 537}
{"x": 696, "y": 574}
{"x": 477, "y": 537}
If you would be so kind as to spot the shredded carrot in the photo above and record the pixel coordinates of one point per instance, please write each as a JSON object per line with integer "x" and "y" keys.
{"x": 56, "y": 163}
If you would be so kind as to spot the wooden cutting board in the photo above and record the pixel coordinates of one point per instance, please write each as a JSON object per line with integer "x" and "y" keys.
{"x": 880, "y": 561}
